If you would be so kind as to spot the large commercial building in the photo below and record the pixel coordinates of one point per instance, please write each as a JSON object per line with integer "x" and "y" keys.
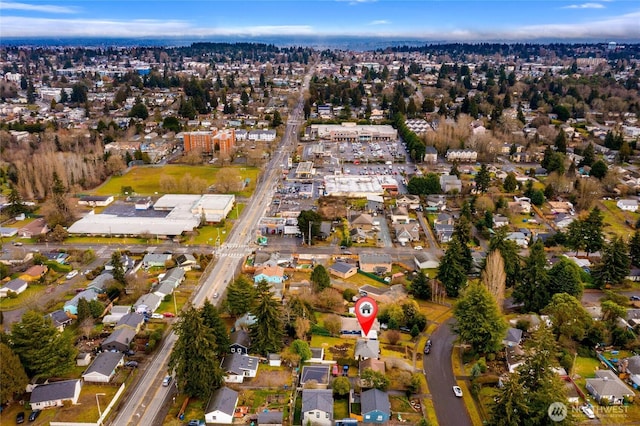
{"x": 352, "y": 132}
{"x": 209, "y": 141}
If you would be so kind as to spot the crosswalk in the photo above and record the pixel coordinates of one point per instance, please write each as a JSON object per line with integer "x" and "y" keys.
{"x": 234, "y": 254}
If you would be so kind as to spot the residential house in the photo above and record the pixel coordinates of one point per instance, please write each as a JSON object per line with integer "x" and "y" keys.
{"x": 155, "y": 260}
{"x": 362, "y": 221}
{"x": 430, "y": 155}
{"x": 147, "y": 303}
{"x": 132, "y": 320}
{"x": 513, "y": 337}
{"x": 174, "y": 276}
{"x": 409, "y": 232}
{"x": 374, "y": 364}
{"x": 450, "y": 184}
{"x": 562, "y": 220}
{"x": 59, "y": 319}
{"x": 34, "y": 229}
{"x": 608, "y": 389}
{"x": 55, "y": 394}
{"x": 238, "y": 366}
{"x": 186, "y": 261}
{"x": 436, "y": 202}
{"x": 16, "y": 286}
{"x": 426, "y": 260}
{"x": 317, "y": 355}
{"x": 95, "y": 200}
{"x": 71, "y": 306}
{"x": 103, "y": 367}
{"x": 374, "y": 262}
{"x": 100, "y": 283}
{"x": 270, "y": 418}
{"x": 34, "y": 273}
{"x": 116, "y": 312}
{"x": 164, "y": 289}
{"x": 399, "y": 215}
{"x": 519, "y": 238}
{"x": 343, "y": 270}
{"x": 631, "y": 366}
{"x": 367, "y": 348}
{"x": 15, "y": 256}
{"x": 375, "y": 406}
{"x": 350, "y": 327}
{"x": 221, "y": 406}
{"x": 375, "y": 203}
{"x": 119, "y": 340}
{"x": 240, "y": 342}
{"x": 83, "y": 359}
{"x": 444, "y": 219}
{"x": 271, "y": 274}
{"x": 127, "y": 264}
{"x": 514, "y": 358}
{"x": 318, "y": 374}
{"x": 461, "y": 155}
{"x": 325, "y": 229}
{"x": 317, "y": 407}
{"x": 358, "y": 235}
{"x": 558, "y": 207}
{"x": 444, "y": 233}
{"x": 411, "y": 202}
{"x": 500, "y": 221}
{"x": 628, "y": 205}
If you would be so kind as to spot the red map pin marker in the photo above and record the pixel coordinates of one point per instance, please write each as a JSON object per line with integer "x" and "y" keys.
{"x": 366, "y": 311}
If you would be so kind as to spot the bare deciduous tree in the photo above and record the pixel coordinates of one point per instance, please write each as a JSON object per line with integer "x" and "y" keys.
{"x": 228, "y": 180}
{"x": 493, "y": 276}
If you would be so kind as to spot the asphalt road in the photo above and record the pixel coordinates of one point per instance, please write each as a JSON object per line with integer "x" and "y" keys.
{"x": 450, "y": 410}
{"x": 147, "y": 397}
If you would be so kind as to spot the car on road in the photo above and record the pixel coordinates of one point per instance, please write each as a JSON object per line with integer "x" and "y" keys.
{"x": 71, "y": 274}
{"x": 215, "y": 295}
{"x": 167, "y": 381}
{"x": 417, "y": 248}
{"x": 34, "y": 415}
{"x": 457, "y": 391}
{"x": 131, "y": 364}
{"x": 196, "y": 423}
{"x": 634, "y": 298}
{"x": 156, "y": 316}
{"x": 17, "y": 243}
{"x": 20, "y": 417}
{"x": 427, "y": 349}
{"x": 405, "y": 329}
{"x": 169, "y": 315}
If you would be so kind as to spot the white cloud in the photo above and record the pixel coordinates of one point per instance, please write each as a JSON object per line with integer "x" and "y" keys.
{"x": 379, "y": 22}
{"x": 47, "y": 8}
{"x": 584, "y": 6}
{"x": 355, "y": 2}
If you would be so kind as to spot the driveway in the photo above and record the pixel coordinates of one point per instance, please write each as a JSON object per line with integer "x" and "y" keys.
{"x": 450, "y": 410}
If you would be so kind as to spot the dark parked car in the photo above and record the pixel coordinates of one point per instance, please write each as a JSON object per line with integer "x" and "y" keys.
{"x": 34, "y": 415}
{"x": 132, "y": 364}
{"x": 635, "y": 298}
{"x": 20, "y": 417}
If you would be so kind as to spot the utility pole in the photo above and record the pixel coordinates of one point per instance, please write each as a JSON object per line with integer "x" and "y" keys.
{"x": 309, "y": 233}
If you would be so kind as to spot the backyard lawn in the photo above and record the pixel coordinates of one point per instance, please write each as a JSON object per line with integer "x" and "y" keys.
{"x": 146, "y": 180}
{"x": 614, "y": 219}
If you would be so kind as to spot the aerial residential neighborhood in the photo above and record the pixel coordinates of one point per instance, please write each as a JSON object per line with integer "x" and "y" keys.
{"x": 186, "y": 232}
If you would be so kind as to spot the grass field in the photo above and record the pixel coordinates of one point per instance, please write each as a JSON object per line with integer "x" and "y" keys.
{"x": 614, "y": 219}
{"x": 146, "y": 180}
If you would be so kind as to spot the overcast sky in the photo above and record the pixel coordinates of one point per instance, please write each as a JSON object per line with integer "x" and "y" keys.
{"x": 464, "y": 20}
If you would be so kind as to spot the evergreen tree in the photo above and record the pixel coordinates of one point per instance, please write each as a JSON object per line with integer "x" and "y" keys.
{"x": 194, "y": 360}
{"x": 118, "y": 267}
{"x": 614, "y": 265}
{"x": 483, "y": 179}
{"x": 561, "y": 142}
{"x": 12, "y": 375}
{"x": 634, "y": 248}
{"x": 588, "y": 156}
{"x": 478, "y": 320}
{"x": 241, "y": 296}
{"x": 510, "y": 183}
{"x": 211, "y": 318}
{"x": 276, "y": 120}
{"x": 511, "y": 405}
{"x": 320, "y": 278}
{"x": 532, "y": 291}
{"x": 564, "y": 277}
{"x": 84, "y": 311}
{"x": 593, "y": 227}
{"x": 268, "y": 330}
{"x": 451, "y": 272}
{"x": 569, "y": 318}
{"x": 420, "y": 286}
{"x": 575, "y": 235}
{"x": 42, "y": 349}
{"x": 599, "y": 170}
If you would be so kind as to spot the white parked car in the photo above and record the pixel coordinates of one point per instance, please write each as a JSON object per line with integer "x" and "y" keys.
{"x": 417, "y": 248}
{"x": 72, "y": 274}
{"x": 587, "y": 411}
{"x": 457, "y": 391}
{"x": 156, "y": 316}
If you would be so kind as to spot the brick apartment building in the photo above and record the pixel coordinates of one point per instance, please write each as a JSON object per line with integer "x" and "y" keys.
{"x": 206, "y": 141}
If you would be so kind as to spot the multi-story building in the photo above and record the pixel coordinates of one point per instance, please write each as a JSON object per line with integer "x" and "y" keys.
{"x": 209, "y": 141}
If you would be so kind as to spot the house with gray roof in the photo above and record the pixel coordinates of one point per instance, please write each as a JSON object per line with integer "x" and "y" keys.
{"x": 240, "y": 342}
{"x": 343, "y": 270}
{"x": 164, "y": 289}
{"x": 132, "y": 320}
{"x": 147, "y": 303}
{"x": 425, "y": 260}
{"x": 373, "y": 262}
{"x": 155, "y": 260}
{"x": 72, "y": 305}
{"x": 101, "y": 282}
{"x": 103, "y": 368}
{"x": 375, "y": 405}
{"x": 513, "y": 337}
{"x": 238, "y": 366}
{"x": 315, "y": 373}
{"x": 221, "y": 406}
{"x": 175, "y": 276}
{"x": 608, "y": 389}
{"x": 59, "y": 319}
{"x": 367, "y": 348}
{"x": 317, "y": 407}
{"x": 16, "y": 286}
{"x": 117, "y": 312}
{"x": 55, "y": 394}
{"x": 186, "y": 261}
{"x": 119, "y": 340}
{"x": 270, "y": 418}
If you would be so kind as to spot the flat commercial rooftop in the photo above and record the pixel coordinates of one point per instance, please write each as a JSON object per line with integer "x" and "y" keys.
{"x": 352, "y": 186}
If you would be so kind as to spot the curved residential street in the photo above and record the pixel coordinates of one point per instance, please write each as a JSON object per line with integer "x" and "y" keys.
{"x": 450, "y": 410}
